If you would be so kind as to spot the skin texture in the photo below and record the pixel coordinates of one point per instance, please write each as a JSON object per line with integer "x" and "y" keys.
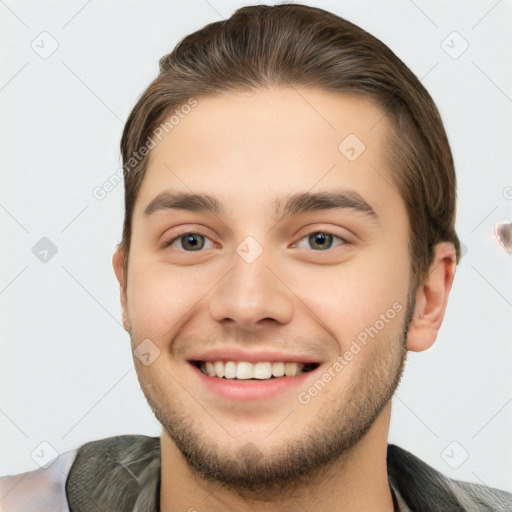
{"x": 247, "y": 150}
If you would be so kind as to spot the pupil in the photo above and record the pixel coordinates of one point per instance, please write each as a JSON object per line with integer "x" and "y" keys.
{"x": 320, "y": 238}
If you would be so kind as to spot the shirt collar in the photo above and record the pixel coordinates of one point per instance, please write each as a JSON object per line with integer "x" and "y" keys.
{"x": 399, "y": 503}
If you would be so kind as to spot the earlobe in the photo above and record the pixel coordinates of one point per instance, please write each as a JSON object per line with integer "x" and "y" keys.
{"x": 118, "y": 265}
{"x": 432, "y": 299}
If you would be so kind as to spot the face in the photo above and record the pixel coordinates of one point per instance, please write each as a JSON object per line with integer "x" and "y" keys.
{"x": 299, "y": 256}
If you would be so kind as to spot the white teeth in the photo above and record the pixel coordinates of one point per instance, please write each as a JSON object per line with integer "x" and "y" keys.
{"x": 230, "y": 370}
{"x": 244, "y": 370}
{"x": 262, "y": 370}
{"x": 219, "y": 369}
{"x": 210, "y": 370}
{"x": 290, "y": 369}
{"x": 277, "y": 369}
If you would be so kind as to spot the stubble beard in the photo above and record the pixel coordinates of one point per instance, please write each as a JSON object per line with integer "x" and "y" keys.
{"x": 303, "y": 457}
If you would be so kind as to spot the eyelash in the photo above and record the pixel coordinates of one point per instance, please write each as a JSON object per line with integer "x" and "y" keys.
{"x": 328, "y": 233}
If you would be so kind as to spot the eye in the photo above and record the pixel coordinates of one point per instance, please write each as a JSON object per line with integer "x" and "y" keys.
{"x": 189, "y": 241}
{"x": 320, "y": 240}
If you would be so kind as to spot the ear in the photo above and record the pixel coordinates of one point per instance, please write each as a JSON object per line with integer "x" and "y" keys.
{"x": 118, "y": 264}
{"x": 432, "y": 298}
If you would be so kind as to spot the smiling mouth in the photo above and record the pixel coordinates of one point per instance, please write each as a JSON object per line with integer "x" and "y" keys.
{"x": 243, "y": 370}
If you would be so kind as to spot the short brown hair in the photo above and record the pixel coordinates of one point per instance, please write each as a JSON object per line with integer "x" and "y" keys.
{"x": 261, "y": 46}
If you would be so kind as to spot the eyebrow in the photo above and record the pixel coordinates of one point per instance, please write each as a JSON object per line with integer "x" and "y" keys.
{"x": 310, "y": 202}
{"x": 289, "y": 206}
{"x": 184, "y": 201}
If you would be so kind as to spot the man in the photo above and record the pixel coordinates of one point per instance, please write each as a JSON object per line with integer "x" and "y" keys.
{"x": 288, "y": 238}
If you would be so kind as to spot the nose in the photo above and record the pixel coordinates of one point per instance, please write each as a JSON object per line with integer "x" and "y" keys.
{"x": 250, "y": 296}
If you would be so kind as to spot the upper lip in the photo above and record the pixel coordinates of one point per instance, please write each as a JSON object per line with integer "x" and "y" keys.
{"x": 253, "y": 356}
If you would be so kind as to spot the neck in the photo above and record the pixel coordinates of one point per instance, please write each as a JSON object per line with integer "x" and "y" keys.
{"x": 358, "y": 483}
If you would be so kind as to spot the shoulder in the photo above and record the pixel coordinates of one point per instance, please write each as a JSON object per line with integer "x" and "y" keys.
{"x": 116, "y": 472}
{"x": 112, "y": 454}
{"x": 48, "y": 488}
{"x": 40, "y": 489}
{"x": 424, "y": 488}
{"x": 130, "y": 446}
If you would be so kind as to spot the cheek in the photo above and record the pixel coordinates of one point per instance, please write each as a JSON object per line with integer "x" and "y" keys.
{"x": 159, "y": 298}
{"x": 353, "y": 297}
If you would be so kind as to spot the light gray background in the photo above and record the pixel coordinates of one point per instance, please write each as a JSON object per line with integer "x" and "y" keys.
{"x": 66, "y": 368}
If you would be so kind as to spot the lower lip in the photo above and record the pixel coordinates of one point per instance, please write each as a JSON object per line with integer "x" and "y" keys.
{"x": 250, "y": 389}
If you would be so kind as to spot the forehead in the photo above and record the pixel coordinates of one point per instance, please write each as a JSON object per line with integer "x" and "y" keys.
{"x": 257, "y": 146}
